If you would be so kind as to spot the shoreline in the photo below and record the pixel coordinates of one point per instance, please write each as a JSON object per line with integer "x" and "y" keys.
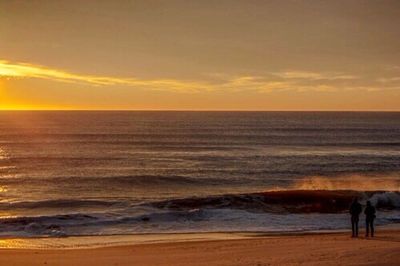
{"x": 104, "y": 241}
{"x": 334, "y": 248}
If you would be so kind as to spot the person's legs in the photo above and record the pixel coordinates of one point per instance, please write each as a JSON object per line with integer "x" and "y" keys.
{"x": 367, "y": 224}
{"x": 372, "y": 227}
{"x": 353, "y": 227}
{"x": 356, "y": 225}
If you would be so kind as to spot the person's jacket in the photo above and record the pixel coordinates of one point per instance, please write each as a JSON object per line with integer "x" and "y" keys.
{"x": 370, "y": 212}
{"x": 355, "y": 209}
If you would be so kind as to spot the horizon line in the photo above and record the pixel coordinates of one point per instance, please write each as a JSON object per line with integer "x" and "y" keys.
{"x": 192, "y": 110}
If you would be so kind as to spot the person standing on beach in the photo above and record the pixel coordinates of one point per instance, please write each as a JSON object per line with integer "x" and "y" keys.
{"x": 355, "y": 210}
{"x": 369, "y": 219}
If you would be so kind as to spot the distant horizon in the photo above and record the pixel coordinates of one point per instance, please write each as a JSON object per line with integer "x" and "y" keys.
{"x": 189, "y": 110}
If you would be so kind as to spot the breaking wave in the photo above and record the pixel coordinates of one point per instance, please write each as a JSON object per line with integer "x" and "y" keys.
{"x": 288, "y": 201}
{"x": 286, "y": 209}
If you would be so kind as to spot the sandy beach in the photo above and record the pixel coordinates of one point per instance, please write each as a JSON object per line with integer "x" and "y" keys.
{"x": 199, "y": 132}
{"x": 308, "y": 249}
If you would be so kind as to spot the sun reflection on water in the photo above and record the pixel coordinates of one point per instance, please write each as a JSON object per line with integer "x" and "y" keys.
{"x": 3, "y": 154}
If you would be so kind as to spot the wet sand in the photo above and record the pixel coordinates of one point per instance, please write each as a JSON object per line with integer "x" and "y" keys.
{"x": 305, "y": 249}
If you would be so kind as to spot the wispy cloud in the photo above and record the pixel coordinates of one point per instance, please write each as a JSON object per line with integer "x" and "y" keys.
{"x": 313, "y": 75}
{"x": 389, "y": 80}
{"x": 22, "y": 70}
{"x": 300, "y": 81}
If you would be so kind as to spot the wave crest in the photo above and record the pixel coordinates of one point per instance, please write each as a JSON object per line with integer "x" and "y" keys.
{"x": 349, "y": 182}
{"x": 287, "y": 201}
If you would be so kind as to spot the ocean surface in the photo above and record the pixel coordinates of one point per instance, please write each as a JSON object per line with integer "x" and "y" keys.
{"x": 105, "y": 173}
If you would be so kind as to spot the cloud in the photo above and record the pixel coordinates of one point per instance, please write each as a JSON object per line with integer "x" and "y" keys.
{"x": 22, "y": 70}
{"x": 389, "y": 80}
{"x": 298, "y": 81}
{"x": 313, "y": 75}
{"x": 254, "y": 83}
{"x": 267, "y": 85}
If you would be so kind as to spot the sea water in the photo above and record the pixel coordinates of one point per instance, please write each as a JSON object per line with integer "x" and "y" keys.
{"x": 102, "y": 173}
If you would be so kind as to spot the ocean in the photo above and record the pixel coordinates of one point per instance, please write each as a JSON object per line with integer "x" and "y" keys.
{"x": 89, "y": 173}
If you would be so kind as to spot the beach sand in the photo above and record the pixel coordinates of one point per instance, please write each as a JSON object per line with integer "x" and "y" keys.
{"x": 306, "y": 249}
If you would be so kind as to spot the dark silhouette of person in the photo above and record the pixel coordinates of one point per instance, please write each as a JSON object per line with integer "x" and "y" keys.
{"x": 355, "y": 210}
{"x": 369, "y": 219}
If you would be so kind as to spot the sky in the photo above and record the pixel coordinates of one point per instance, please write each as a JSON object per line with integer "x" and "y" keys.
{"x": 200, "y": 55}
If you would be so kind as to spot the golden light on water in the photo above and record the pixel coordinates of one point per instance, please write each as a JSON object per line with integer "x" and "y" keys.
{"x": 3, "y": 154}
{"x": 350, "y": 182}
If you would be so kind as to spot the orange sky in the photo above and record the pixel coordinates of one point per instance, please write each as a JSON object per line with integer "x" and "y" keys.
{"x": 200, "y": 55}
